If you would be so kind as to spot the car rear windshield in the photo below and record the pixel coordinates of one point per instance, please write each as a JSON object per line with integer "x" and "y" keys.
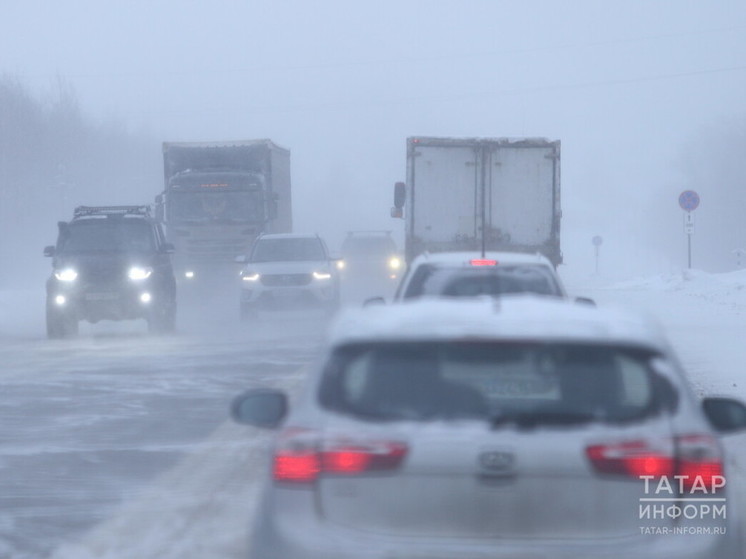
{"x": 524, "y": 383}
{"x": 465, "y": 281}
{"x": 107, "y": 235}
{"x": 284, "y": 250}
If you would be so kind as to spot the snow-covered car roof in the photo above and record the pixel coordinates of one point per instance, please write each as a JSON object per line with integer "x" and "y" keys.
{"x": 513, "y": 317}
{"x": 465, "y": 258}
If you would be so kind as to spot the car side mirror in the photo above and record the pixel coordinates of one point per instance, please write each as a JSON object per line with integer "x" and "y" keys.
{"x": 260, "y": 408}
{"x": 726, "y": 415}
{"x": 168, "y": 248}
{"x": 49, "y": 250}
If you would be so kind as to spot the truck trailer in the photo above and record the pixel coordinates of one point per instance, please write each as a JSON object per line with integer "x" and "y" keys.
{"x": 218, "y": 197}
{"x": 481, "y": 194}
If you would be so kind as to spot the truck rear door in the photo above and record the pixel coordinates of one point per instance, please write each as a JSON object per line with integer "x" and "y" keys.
{"x": 444, "y": 199}
{"x": 521, "y": 195}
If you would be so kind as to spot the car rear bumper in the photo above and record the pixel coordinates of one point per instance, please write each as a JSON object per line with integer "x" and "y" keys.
{"x": 297, "y": 532}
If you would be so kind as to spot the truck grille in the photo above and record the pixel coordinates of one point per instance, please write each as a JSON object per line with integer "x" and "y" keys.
{"x": 221, "y": 249}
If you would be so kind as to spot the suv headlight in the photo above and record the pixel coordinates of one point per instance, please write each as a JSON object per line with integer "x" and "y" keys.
{"x": 139, "y": 273}
{"x": 394, "y": 263}
{"x": 249, "y": 276}
{"x": 322, "y": 275}
{"x": 66, "y": 274}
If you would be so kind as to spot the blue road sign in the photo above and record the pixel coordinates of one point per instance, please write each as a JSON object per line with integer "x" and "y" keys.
{"x": 688, "y": 200}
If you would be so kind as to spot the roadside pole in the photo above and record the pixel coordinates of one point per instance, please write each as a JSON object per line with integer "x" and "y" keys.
{"x": 689, "y": 201}
{"x": 597, "y": 241}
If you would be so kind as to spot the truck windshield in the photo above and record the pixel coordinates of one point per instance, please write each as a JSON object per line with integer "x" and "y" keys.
{"x": 107, "y": 235}
{"x": 215, "y": 206}
{"x": 225, "y": 180}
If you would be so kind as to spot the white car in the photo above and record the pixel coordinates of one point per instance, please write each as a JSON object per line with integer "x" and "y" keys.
{"x": 483, "y": 428}
{"x": 288, "y": 271}
{"x": 468, "y": 274}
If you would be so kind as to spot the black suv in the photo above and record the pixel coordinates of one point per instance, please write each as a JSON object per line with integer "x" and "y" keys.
{"x": 110, "y": 263}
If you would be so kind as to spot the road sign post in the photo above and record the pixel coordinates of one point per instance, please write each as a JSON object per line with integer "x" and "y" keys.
{"x": 597, "y": 241}
{"x": 689, "y": 201}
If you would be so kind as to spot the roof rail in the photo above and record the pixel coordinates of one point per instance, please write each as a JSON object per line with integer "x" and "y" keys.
{"x": 85, "y": 211}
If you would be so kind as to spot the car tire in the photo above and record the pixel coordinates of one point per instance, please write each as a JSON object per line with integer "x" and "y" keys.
{"x": 60, "y": 325}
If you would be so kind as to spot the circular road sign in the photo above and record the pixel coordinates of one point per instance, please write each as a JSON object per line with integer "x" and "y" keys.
{"x": 688, "y": 200}
{"x": 597, "y": 240}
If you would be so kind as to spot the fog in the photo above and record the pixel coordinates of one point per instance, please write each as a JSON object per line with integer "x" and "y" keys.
{"x": 646, "y": 97}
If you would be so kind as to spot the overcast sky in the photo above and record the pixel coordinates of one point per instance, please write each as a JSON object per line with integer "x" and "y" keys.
{"x": 624, "y": 85}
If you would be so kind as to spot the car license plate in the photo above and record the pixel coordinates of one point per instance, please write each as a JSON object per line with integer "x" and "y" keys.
{"x": 101, "y": 296}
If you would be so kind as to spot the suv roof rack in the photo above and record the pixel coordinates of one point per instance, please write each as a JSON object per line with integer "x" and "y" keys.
{"x": 86, "y": 211}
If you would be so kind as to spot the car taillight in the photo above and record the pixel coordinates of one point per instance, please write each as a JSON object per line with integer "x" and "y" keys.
{"x": 699, "y": 460}
{"x": 482, "y": 262}
{"x": 632, "y": 458}
{"x": 695, "y": 460}
{"x": 301, "y": 456}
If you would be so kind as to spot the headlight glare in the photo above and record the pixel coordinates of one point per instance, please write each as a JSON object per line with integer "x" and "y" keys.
{"x": 66, "y": 274}
{"x": 246, "y": 276}
{"x": 394, "y": 263}
{"x": 322, "y": 275}
{"x": 139, "y": 273}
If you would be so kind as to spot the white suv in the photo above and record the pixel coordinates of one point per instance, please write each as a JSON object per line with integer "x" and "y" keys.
{"x": 285, "y": 271}
{"x": 470, "y": 428}
{"x": 467, "y": 274}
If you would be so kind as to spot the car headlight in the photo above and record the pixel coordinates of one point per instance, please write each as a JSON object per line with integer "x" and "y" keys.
{"x": 340, "y": 264}
{"x": 139, "y": 273}
{"x": 66, "y": 274}
{"x": 394, "y": 263}
{"x": 322, "y": 275}
{"x": 248, "y": 276}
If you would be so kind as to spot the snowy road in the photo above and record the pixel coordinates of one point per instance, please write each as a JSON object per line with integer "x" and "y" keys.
{"x": 117, "y": 445}
{"x": 93, "y": 424}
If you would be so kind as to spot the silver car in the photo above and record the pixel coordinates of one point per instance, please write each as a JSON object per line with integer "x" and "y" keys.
{"x": 288, "y": 271}
{"x": 481, "y": 428}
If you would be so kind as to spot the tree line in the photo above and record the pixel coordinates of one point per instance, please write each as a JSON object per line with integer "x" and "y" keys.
{"x": 52, "y": 158}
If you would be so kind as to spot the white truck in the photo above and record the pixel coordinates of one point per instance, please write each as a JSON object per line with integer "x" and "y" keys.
{"x": 218, "y": 197}
{"x": 481, "y": 194}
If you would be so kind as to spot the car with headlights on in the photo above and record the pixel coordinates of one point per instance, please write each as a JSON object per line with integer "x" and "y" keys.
{"x": 288, "y": 271}
{"x": 371, "y": 255}
{"x": 522, "y": 426}
{"x": 110, "y": 263}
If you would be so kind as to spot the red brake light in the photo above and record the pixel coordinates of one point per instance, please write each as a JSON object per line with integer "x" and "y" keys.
{"x": 700, "y": 461}
{"x": 300, "y": 458}
{"x": 633, "y": 459}
{"x": 695, "y": 459}
{"x": 483, "y": 262}
{"x": 301, "y": 468}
